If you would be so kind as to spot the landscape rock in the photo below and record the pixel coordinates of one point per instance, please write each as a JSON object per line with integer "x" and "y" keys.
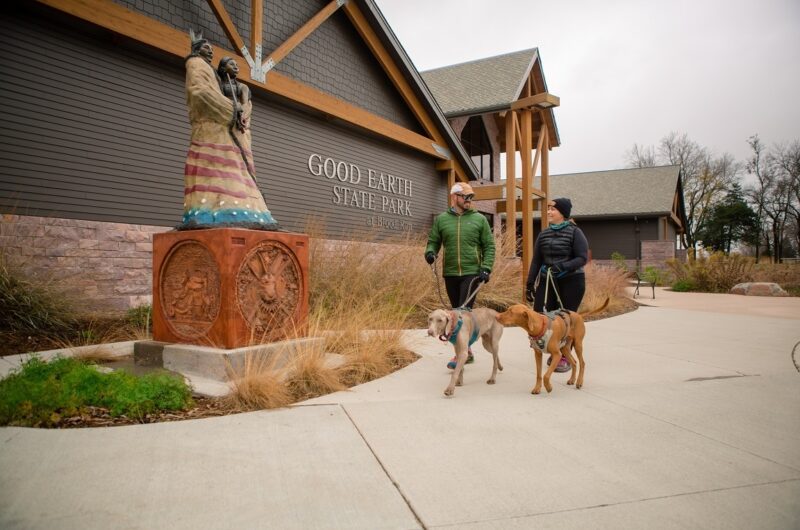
{"x": 758, "y": 289}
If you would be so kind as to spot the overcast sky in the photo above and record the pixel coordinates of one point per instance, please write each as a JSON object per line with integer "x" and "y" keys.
{"x": 631, "y": 71}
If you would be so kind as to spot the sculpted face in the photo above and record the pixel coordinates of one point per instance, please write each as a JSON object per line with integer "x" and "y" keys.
{"x": 206, "y": 51}
{"x": 232, "y": 69}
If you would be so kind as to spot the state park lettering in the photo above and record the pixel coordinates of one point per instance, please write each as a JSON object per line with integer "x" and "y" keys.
{"x": 364, "y": 189}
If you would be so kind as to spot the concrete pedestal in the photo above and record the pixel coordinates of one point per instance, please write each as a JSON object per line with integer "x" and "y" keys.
{"x": 228, "y": 288}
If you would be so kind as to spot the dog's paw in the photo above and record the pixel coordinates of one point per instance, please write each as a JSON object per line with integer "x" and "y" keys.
{"x": 448, "y": 392}
{"x": 570, "y": 382}
{"x": 490, "y": 382}
{"x": 578, "y": 386}
{"x": 548, "y": 387}
{"x": 536, "y": 390}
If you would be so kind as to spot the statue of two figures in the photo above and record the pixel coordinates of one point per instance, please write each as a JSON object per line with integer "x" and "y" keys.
{"x": 220, "y": 191}
{"x": 220, "y": 188}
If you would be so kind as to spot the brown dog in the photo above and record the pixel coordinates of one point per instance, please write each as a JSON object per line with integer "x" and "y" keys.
{"x": 565, "y": 333}
{"x": 445, "y": 325}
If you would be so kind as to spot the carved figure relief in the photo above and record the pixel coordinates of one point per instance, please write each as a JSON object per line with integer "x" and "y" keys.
{"x": 190, "y": 289}
{"x": 268, "y": 290}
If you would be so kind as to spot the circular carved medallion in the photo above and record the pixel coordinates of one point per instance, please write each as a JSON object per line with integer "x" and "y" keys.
{"x": 190, "y": 289}
{"x": 268, "y": 290}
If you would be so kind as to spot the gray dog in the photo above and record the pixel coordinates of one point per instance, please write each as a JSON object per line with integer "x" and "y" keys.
{"x": 462, "y": 328}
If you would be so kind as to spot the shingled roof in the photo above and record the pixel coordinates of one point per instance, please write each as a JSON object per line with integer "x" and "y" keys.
{"x": 619, "y": 192}
{"x": 480, "y": 86}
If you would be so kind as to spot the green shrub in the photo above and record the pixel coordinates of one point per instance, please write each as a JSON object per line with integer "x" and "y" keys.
{"x": 655, "y": 275}
{"x": 42, "y": 393}
{"x": 140, "y": 317}
{"x": 683, "y": 286}
{"x": 619, "y": 260}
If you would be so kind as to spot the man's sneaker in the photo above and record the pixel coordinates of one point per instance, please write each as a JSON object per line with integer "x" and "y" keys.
{"x": 452, "y": 363}
{"x": 563, "y": 365}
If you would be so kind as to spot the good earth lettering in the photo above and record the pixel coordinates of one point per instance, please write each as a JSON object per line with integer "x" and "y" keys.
{"x": 392, "y": 186}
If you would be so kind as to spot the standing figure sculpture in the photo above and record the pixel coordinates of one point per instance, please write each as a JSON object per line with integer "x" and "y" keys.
{"x": 220, "y": 188}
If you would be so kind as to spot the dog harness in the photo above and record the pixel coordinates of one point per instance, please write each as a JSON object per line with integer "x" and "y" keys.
{"x": 453, "y": 335}
{"x": 540, "y": 342}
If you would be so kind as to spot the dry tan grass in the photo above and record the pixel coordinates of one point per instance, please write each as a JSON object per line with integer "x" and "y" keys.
{"x": 259, "y": 384}
{"x": 605, "y": 282}
{"x": 310, "y": 375}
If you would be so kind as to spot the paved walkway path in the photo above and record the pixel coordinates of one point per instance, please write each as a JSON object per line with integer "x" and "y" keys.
{"x": 689, "y": 418}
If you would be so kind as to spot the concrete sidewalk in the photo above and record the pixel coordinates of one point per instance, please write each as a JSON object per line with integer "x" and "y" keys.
{"x": 689, "y": 418}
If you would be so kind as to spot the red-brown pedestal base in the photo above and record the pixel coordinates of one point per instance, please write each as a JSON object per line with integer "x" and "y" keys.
{"x": 229, "y": 287}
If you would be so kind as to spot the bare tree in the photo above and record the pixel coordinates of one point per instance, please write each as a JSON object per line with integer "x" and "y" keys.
{"x": 776, "y": 194}
{"x": 757, "y": 166}
{"x": 786, "y": 161}
{"x": 706, "y": 179}
{"x": 641, "y": 156}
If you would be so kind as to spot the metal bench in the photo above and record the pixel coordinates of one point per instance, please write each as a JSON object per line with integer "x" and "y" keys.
{"x": 635, "y": 277}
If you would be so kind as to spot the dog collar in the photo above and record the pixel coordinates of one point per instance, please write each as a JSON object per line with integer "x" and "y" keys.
{"x": 545, "y": 327}
{"x": 456, "y": 326}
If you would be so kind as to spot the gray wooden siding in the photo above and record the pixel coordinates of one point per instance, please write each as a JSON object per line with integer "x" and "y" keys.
{"x": 332, "y": 59}
{"x": 607, "y": 236}
{"x": 92, "y": 130}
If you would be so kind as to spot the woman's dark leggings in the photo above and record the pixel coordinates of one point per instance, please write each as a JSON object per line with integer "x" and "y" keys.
{"x": 458, "y": 289}
{"x": 571, "y": 289}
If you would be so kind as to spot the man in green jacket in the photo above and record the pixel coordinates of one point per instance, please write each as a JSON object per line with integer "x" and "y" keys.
{"x": 468, "y": 248}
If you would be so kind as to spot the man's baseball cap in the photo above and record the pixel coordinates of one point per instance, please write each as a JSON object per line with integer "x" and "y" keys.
{"x": 461, "y": 187}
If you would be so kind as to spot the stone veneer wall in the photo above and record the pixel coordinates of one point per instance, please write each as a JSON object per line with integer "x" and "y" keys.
{"x": 656, "y": 253}
{"x": 107, "y": 264}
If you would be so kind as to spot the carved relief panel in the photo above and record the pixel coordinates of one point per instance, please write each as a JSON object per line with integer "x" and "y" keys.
{"x": 190, "y": 289}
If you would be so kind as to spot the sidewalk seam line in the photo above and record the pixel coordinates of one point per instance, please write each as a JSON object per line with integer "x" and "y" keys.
{"x": 621, "y": 503}
{"x": 386, "y": 471}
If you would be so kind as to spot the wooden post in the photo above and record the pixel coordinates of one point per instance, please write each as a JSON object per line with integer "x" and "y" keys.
{"x": 545, "y": 147}
{"x": 511, "y": 177}
{"x": 526, "y": 127}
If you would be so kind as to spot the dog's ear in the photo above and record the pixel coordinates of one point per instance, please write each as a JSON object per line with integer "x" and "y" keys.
{"x": 531, "y": 319}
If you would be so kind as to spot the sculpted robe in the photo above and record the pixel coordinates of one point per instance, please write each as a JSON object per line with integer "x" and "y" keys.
{"x": 219, "y": 190}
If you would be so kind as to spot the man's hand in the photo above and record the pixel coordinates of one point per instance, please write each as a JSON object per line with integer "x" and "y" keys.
{"x": 529, "y": 295}
{"x": 484, "y": 276}
{"x": 430, "y": 257}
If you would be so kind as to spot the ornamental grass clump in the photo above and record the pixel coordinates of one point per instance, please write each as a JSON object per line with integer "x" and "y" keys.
{"x": 605, "y": 282}
{"x": 43, "y": 394}
{"x": 32, "y": 305}
{"x": 717, "y": 273}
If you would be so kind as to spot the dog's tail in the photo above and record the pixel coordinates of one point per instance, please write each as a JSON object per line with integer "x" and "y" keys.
{"x": 597, "y": 309}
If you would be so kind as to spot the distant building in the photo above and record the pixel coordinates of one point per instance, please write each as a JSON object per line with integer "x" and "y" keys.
{"x": 638, "y": 213}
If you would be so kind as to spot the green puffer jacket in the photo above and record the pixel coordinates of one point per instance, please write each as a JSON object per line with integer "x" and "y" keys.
{"x": 467, "y": 240}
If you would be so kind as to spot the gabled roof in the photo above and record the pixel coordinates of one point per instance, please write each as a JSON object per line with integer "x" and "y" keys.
{"x": 412, "y": 75}
{"x": 620, "y": 192}
{"x": 480, "y": 86}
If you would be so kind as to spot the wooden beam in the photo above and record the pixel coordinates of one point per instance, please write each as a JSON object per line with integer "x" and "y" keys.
{"x": 499, "y": 191}
{"x": 544, "y": 100}
{"x": 126, "y": 22}
{"x": 527, "y": 212}
{"x": 299, "y": 36}
{"x": 158, "y": 35}
{"x": 295, "y": 91}
{"x": 227, "y": 25}
{"x": 256, "y": 27}
{"x": 511, "y": 171}
{"x": 444, "y": 165}
{"x": 503, "y": 204}
{"x": 403, "y": 87}
{"x": 545, "y": 172}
